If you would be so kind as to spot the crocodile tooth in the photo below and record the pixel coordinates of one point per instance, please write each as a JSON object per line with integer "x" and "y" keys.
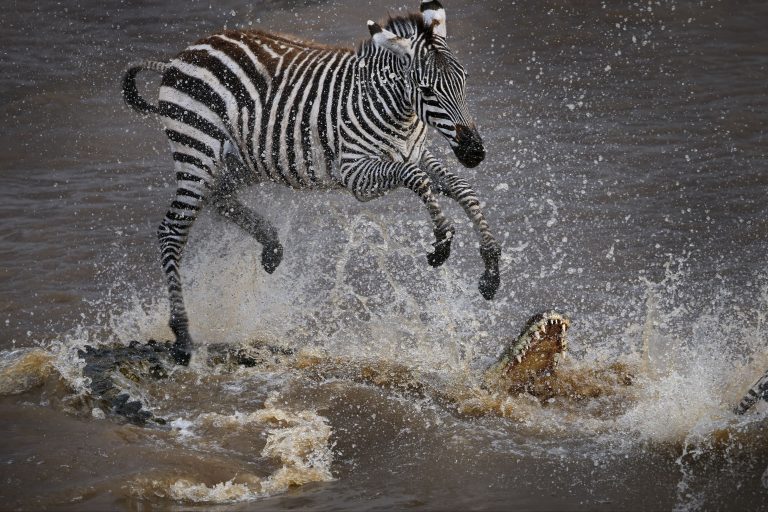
{"x": 519, "y": 358}
{"x": 537, "y": 335}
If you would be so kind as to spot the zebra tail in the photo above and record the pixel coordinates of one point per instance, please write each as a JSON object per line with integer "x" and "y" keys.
{"x": 131, "y": 92}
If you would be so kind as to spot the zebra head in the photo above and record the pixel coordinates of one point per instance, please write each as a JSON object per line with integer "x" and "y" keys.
{"x": 437, "y": 79}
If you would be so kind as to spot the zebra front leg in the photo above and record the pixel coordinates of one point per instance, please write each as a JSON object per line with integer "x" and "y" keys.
{"x": 369, "y": 178}
{"x": 459, "y": 190}
{"x": 254, "y": 224}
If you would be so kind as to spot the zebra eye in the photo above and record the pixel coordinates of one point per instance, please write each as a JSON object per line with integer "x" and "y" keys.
{"x": 426, "y": 90}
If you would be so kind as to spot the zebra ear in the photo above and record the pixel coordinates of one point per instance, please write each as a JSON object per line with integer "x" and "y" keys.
{"x": 383, "y": 38}
{"x": 434, "y": 16}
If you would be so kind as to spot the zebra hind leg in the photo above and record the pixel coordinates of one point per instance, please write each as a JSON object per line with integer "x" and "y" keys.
{"x": 172, "y": 235}
{"x": 251, "y": 222}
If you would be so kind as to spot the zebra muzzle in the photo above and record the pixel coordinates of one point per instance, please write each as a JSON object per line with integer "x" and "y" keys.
{"x": 469, "y": 148}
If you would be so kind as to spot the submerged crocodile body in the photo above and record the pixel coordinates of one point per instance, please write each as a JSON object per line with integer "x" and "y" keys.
{"x": 112, "y": 369}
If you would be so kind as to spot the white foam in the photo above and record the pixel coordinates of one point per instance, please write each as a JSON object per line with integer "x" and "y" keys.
{"x": 299, "y": 441}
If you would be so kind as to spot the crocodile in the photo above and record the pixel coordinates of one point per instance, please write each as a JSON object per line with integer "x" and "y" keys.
{"x": 115, "y": 369}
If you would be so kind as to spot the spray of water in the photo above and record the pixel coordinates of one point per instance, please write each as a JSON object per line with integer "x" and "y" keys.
{"x": 669, "y": 378}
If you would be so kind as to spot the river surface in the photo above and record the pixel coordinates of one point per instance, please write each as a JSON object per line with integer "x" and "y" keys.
{"x": 626, "y": 178}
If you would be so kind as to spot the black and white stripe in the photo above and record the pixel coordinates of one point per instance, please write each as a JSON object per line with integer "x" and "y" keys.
{"x": 758, "y": 391}
{"x": 240, "y": 107}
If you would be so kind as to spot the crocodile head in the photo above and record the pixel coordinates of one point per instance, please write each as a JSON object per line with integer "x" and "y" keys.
{"x": 533, "y": 354}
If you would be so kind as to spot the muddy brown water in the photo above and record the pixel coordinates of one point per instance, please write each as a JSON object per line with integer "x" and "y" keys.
{"x": 626, "y": 177}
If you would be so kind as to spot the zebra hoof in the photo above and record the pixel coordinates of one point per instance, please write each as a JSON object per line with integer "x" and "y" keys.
{"x": 489, "y": 284}
{"x": 271, "y": 256}
{"x": 181, "y": 350}
{"x": 442, "y": 249}
{"x": 180, "y": 353}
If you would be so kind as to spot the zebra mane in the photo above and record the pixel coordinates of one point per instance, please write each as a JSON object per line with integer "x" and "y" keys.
{"x": 406, "y": 26}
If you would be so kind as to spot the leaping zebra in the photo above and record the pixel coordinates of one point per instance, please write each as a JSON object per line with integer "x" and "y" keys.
{"x": 240, "y": 107}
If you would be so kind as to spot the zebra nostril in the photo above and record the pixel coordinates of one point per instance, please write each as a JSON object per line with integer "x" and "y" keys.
{"x": 469, "y": 149}
{"x": 463, "y": 132}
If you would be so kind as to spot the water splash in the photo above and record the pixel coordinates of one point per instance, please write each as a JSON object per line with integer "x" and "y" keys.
{"x": 298, "y": 441}
{"x": 669, "y": 378}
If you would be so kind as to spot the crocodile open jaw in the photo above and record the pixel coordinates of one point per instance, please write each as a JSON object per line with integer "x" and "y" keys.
{"x": 533, "y": 354}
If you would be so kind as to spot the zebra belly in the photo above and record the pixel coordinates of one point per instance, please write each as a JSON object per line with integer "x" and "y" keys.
{"x": 288, "y": 155}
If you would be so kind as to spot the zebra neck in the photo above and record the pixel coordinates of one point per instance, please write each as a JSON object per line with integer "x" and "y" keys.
{"x": 385, "y": 83}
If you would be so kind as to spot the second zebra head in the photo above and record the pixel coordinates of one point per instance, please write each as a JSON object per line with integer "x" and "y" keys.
{"x": 436, "y": 79}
